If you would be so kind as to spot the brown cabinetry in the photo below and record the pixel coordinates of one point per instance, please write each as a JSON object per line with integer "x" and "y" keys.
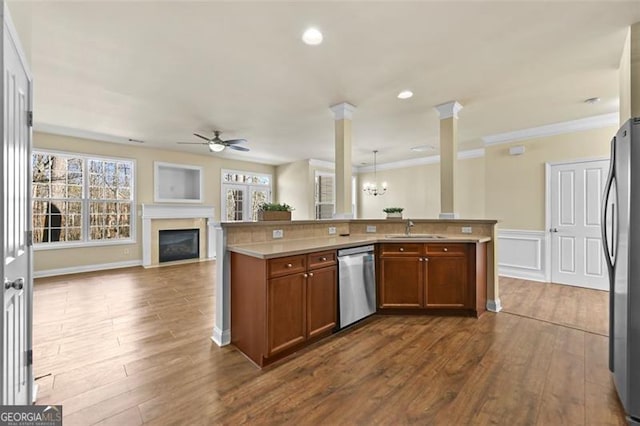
{"x": 278, "y": 305}
{"x": 401, "y": 276}
{"x": 432, "y": 276}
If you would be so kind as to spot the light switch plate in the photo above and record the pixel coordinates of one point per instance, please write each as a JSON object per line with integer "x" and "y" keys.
{"x": 277, "y": 233}
{"x": 371, "y": 228}
{"x": 332, "y": 230}
{"x": 467, "y": 230}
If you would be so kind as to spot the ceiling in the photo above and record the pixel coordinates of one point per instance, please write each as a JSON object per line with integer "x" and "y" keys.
{"x": 159, "y": 71}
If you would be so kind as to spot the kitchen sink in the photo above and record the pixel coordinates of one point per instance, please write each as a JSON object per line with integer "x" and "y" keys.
{"x": 416, "y": 236}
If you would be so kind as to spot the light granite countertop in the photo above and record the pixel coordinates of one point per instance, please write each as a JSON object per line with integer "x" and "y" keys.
{"x": 275, "y": 248}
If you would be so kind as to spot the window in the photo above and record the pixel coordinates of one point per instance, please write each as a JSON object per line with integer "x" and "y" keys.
{"x": 324, "y": 195}
{"x": 325, "y": 189}
{"x": 243, "y": 193}
{"x": 80, "y": 199}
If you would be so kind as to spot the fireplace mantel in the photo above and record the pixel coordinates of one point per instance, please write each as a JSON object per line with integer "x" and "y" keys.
{"x": 160, "y": 211}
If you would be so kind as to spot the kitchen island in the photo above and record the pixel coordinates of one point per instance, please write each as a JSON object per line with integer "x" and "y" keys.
{"x": 280, "y": 294}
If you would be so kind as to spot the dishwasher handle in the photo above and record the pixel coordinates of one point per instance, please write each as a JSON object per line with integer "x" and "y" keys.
{"x": 355, "y": 250}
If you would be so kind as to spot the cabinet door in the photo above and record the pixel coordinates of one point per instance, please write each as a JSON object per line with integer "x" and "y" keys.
{"x": 322, "y": 304}
{"x": 401, "y": 282}
{"x": 286, "y": 306}
{"x": 446, "y": 282}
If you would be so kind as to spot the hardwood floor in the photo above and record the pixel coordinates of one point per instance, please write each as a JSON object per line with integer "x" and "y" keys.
{"x": 133, "y": 346}
{"x": 574, "y": 307}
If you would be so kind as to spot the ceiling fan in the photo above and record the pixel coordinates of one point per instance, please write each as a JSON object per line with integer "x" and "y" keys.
{"x": 218, "y": 145}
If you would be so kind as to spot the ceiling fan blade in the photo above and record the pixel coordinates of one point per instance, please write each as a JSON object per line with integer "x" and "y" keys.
{"x": 235, "y": 141}
{"x": 238, "y": 148}
{"x": 193, "y": 143}
{"x": 202, "y": 137}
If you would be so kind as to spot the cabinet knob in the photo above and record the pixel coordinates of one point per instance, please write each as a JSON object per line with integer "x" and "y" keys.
{"x": 289, "y": 265}
{"x": 305, "y": 275}
{"x": 310, "y": 274}
{"x": 401, "y": 249}
{"x": 426, "y": 259}
{"x": 420, "y": 259}
{"x": 323, "y": 259}
{"x": 445, "y": 249}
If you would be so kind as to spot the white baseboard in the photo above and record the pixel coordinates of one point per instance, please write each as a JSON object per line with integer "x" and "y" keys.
{"x": 521, "y": 254}
{"x": 494, "y": 305}
{"x": 86, "y": 268}
{"x": 221, "y": 338}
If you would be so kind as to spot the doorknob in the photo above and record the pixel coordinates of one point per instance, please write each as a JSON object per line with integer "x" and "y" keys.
{"x": 18, "y": 284}
{"x": 553, "y": 230}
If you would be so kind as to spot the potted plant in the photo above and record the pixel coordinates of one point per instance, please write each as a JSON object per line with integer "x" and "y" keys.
{"x": 274, "y": 211}
{"x": 393, "y": 212}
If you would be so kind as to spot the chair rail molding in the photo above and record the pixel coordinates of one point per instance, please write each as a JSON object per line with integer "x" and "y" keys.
{"x": 522, "y": 254}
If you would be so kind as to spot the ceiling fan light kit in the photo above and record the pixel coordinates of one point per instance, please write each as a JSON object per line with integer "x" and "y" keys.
{"x": 216, "y": 147}
{"x": 216, "y": 144}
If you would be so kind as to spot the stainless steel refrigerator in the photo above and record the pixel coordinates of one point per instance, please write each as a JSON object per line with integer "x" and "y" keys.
{"x": 621, "y": 241}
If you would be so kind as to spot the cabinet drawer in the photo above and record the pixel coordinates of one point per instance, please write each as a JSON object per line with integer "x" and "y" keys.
{"x": 447, "y": 249}
{"x": 287, "y": 265}
{"x": 321, "y": 259}
{"x": 400, "y": 249}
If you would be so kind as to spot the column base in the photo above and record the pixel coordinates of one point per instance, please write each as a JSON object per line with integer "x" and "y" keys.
{"x": 494, "y": 305}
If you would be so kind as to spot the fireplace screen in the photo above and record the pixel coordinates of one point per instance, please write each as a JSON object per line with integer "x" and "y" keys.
{"x": 179, "y": 244}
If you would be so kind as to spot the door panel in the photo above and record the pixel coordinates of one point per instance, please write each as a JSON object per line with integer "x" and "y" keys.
{"x": 446, "y": 282}
{"x": 567, "y": 198}
{"x": 576, "y": 248}
{"x": 287, "y": 312}
{"x": 17, "y": 254}
{"x": 321, "y": 301}
{"x": 402, "y": 284}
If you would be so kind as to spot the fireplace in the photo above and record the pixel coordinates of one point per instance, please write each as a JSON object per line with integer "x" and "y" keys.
{"x": 178, "y": 244}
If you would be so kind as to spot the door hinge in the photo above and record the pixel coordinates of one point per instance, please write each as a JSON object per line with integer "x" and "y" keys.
{"x": 30, "y": 357}
{"x": 30, "y": 118}
{"x": 29, "y": 238}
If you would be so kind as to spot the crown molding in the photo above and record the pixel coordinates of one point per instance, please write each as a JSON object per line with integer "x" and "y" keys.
{"x": 322, "y": 163}
{"x": 343, "y": 111}
{"x": 77, "y": 133}
{"x": 448, "y": 109}
{"x": 432, "y": 159}
{"x": 595, "y": 122}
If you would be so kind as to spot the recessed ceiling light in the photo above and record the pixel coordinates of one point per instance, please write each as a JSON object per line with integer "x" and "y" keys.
{"x": 592, "y": 100}
{"x": 423, "y": 148}
{"x": 312, "y": 37}
{"x": 405, "y": 94}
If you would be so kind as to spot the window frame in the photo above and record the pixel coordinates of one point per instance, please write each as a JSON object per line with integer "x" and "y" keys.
{"x": 85, "y": 200}
{"x": 354, "y": 194}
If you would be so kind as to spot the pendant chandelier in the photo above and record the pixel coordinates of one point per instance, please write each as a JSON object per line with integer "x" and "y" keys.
{"x": 372, "y": 188}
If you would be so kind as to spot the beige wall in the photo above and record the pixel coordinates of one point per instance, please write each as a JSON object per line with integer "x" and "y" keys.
{"x": 294, "y": 186}
{"x": 144, "y": 157}
{"x": 625, "y": 79}
{"x": 417, "y": 190}
{"x": 515, "y": 185}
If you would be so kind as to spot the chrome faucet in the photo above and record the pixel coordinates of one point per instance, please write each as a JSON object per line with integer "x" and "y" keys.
{"x": 407, "y": 230}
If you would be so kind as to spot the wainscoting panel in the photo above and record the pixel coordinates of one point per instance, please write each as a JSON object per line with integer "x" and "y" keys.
{"x": 521, "y": 254}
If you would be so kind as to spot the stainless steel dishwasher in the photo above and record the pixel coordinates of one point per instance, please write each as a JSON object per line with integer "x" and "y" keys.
{"x": 357, "y": 284}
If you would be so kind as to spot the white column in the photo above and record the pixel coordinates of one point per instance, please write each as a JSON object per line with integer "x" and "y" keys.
{"x": 343, "y": 114}
{"x": 448, "y": 113}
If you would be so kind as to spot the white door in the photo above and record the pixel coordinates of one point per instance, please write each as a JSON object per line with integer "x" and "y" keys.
{"x": 17, "y": 380}
{"x": 577, "y": 257}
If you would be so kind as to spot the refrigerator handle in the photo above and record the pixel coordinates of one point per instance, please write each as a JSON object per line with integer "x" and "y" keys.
{"x": 609, "y": 255}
